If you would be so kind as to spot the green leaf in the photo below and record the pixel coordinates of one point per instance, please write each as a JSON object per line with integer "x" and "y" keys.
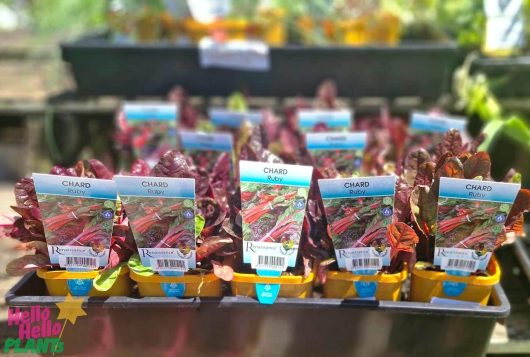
{"x": 199, "y": 224}
{"x": 491, "y": 130}
{"x": 106, "y": 279}
{"x": 135, "y": 264}
{"x": 518, "y": 130}
{"x": 237, "y": 102}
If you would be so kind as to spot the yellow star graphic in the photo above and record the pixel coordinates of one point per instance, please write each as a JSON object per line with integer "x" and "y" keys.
{"x": 70, "y": 309}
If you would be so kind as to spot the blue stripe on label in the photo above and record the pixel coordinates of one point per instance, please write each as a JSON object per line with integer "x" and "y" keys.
{"x": 357, "y": 187}
{"x": 150, "y": 111}
{"x": 155, "y": 186}
{"x": 233, "y": 119}
{"x": 332, "y": 118}
{"x": 203, "y": 141}
{"x": 336, "y": 141}
{"x": 436, "y": 123}
{"x": 74, "y": 186}
{"x": 277, "y": 174}
{"x": 478, "y": 190}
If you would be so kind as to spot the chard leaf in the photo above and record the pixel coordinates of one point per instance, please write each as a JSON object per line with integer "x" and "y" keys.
{"x": 25, "y": 194}
{"x": 415, "y": 159}
{"x": 106, "y": 279}
{"x": 172, "y": 164}
{"x": 423, "y": 205}
{"x": 26, "y": 264}
{"x": 478, "y": 165}
{"x": 451, "y": 143}
{"x": 135, "y": 264}
{"x": 452, "y": 168}
{"x": 520, "y": 206}
{"x": 401, "y": 238}
{"x": 223, "y": 272}
{"x": 211, "y": 245}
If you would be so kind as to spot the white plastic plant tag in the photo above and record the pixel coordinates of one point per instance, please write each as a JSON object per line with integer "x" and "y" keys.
{"x": 246, "y": 55}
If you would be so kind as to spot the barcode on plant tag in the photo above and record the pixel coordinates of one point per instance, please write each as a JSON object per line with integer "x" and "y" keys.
{"x": 459, "y": 264}
{"x": 271, "y": 262}
{"x": 78, "y": 262}
{"x": 169, "y": 264}
{"x": 364, "y": 263}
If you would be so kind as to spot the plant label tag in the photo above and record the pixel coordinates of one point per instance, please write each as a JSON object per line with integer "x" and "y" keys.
{"x": 206, "y": 11}
{"x": 437, "y": 300}
{"x": 436, "y": 123}
{"x": 273, "y": 202}
{"x": 153, "y": 128}
{"x": 244, "y": 55}
{"x": 233, "y": 119}
{"x": 206, "y": 149}
{"x": 330, "y": 120}
{"x": 358, "y": 210}
{"x": 161, "y": 214}
{"x": 78, "y": 216}
{"x": 428, "y": 129}
{"x": 344, "y": 151}
{"x": 470, "y": 222}
{"x": 504, "y": 25}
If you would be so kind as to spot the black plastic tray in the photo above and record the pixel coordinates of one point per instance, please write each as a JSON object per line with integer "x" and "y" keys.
{"x": 240, "y": 326}
{"x": 509, "y": 77}
{"x": 101, "y": 67}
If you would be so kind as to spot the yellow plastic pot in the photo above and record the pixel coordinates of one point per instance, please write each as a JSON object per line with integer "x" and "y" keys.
{"x": 353, "y": 32}
{"x": 291, "y": 286}
{"x": 196, "y": 285}
{"x": 427, "y": 284}
{"x": 272, "y": 26}
{"x": 57, "y": 282}
{"x": 340, "y": 284}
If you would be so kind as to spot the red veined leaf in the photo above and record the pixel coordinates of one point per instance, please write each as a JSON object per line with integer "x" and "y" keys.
{"x": 26, "y": 264}
{"x": 401, "y": 238}
{"x": 79, "y": 169}
{"x": 39, "y": 247}
{"x": 478, "y": 165}
{"x": 25, "y": 194}
{"x": 451, "y": 143}
{"x": 140, "y": 168}
{"x": 425, "y": 174}
{"x": 451, "y": 168}
{"x": 416, "y": 158}
{"x": 210, "y": 245}
{"x": 223, "y": 272}
{"x": 100, "y": 170}
{"x": 520, "y": 206}
{"x": 172, "y": 164}
{"x": 28, "y": 213}
{"x": 423, "y": 205}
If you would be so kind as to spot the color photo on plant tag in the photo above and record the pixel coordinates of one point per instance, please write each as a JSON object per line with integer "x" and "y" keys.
{"x": 343, "y": 151}
{"x": 162, "y": 223}
{"x": 272, "y": 213}
{"x": 327, "y": 120}
{"x": 358, "y": 210}
{"x": 77, "y": 215}
{"x": 206, "y": 149}
{"x": 153, "y": 128}
{"x": 471, "y": 216}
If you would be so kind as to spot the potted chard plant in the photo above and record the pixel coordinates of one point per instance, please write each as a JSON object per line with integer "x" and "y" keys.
{"x": 48, "y": 222}
{"x": 461, "y": 216}
{"x": 189, "y": 240}
{"x": 270, "y": 218}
